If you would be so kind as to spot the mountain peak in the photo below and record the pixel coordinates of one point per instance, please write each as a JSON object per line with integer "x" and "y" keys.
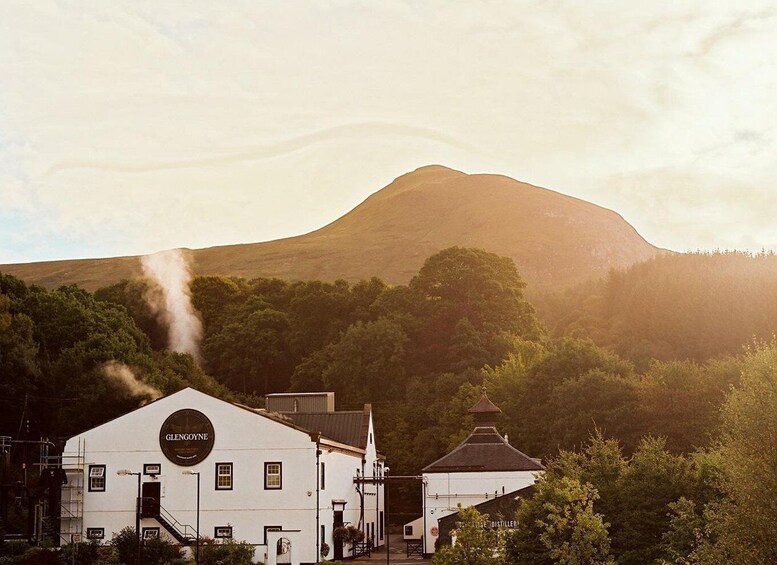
{"x": 555, "y": 240}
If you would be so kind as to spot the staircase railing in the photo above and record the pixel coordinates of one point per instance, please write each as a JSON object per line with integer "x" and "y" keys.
{"x": 184, "y": 533}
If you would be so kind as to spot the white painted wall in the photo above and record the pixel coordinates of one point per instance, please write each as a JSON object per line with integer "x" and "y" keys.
{"x": 245, "y": 439}
{"x": 444, "y": 491}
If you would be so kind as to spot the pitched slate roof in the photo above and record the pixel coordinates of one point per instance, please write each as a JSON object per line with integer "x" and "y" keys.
{"x": 484, "y": 450}
{"x": 485, "y": 406}
{"x": 348, "y": 427}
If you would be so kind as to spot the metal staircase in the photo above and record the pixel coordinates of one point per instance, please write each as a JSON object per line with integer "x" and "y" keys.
{"x": 183, "y": 533}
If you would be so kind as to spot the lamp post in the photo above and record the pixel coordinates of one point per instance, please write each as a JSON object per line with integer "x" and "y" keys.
{"x": 386, "y": 502}
{"x": 123, "y": 473}
{"x": 197, "y": 546}
{"x": 319, "y": 540}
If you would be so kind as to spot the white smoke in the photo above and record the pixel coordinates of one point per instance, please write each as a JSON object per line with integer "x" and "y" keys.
{"x": 169, "y": 296}
{"x": 122, "y": 375}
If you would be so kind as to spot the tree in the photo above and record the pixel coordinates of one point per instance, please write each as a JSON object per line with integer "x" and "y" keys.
{"x": 681, "y": 401}
{"x": 481, "y": 288}
{"x": 474, "y": 542}
{"x": 228, "y": 552}
{"x": 747, "y": 520}
{"x": 550, "y": 379}
{"x": 558, "y": 525}
{"x": 368, "y": 363}
{"x": 251, "y": 355}
{"x": 653, "y": 479}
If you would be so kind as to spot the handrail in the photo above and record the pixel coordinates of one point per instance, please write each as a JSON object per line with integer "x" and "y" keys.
{"x": 185, "y": 530}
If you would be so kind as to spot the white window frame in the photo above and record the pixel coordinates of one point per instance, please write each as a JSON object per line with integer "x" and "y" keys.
{"x": 222, "y": 532}
{"x": 152, "y": 469}
{"x": 97, "y": 481}
{"x": 224, "y": 470}
{"x": 270, "y": 482}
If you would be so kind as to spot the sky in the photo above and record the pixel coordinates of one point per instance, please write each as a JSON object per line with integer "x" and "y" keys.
{"x": 131, "y": 127}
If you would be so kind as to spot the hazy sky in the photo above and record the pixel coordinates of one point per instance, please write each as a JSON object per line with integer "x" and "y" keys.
{"x": 129, "y": 127}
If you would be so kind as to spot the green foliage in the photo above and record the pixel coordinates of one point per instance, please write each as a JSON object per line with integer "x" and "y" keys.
{"x": 675, "y": 306}
{"x": 132, "y": 296}
{"x": 558, "y": 525}
{"x": 90, "y": 553}
{"x": 685, "y": 534}
{"x": 475, "y": 544}
{"x": 156, "y": 551}
{"x": 746, "y": 521}
{"x": 465, "y": 300}
{"x": 228, "y": 552}
{"x": 38, "y": 556}
{"x": 248, "y": 353}
{"x": 126, "y": 544}
{"x": 367, "y": 364}
{"x": 653, "y": 479}
{"x": 638, "y": 495}
{"x": 681, "y": 400}
{"x": 571, "y": 384}
{"x": 348, "y": 534}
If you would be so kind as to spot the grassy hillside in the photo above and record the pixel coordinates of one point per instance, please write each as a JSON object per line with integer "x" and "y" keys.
{"x": 555, "y": 240}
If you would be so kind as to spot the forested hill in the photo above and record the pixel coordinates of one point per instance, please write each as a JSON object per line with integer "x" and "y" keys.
{"x": 623, "y": 441}
{"x": 554, "y": 240}
{"x": 681, "y": 306}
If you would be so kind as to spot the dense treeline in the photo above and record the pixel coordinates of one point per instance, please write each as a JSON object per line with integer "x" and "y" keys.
{"x": 55, "y": 346}
{"x": 420, "y": 354}
{"x": 675, "y": 306}
{"x": 597, "y": 506}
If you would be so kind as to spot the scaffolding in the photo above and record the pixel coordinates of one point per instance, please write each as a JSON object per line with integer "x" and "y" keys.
{"x": 64, "y": 523}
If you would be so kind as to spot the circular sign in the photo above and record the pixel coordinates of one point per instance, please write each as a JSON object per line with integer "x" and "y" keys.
{"x": 434, "y": 531}
{"x": 186, "y": 437}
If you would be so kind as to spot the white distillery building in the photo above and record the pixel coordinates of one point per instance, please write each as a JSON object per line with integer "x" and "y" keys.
{"x": 281, "y": 479}
{"x": 483, "y": 467}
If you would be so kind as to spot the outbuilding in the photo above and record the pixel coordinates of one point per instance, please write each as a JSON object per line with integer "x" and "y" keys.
{"x": 281, "y": 478}
{"x": 484, "y": 467}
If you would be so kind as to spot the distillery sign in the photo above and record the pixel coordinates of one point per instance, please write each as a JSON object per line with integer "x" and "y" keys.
{"x": 186, "y": 437}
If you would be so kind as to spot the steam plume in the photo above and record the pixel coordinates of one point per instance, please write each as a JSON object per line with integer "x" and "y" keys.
{"x": 122, "y": 375}
{"x": 169, "y": 297}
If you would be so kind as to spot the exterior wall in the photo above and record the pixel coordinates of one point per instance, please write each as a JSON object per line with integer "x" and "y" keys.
{"x": 444, "y": 491}
{"x": 413, "y": 530}
{"x": 341, "y": 465}
{"x": 243, "y": 438}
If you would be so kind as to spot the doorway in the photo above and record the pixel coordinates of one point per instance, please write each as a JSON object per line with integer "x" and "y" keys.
{"x": 149, "y": 507}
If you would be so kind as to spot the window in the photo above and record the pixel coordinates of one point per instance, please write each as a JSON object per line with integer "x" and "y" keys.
{"x": 152, "y": 469}
{"x": 323, "y": 476}
{"x": 271, "y": 529}
{"x": 380, "y": 525}
{"x": 222, "y": 532}
{"x": 370, "y": 437}
{"x": 409, "y": 531}
{"x": 323, "y": 535}
{"x": 223, "y": 476}
{"x": 96, "y": 478}
{"x": 272, "y": 476}
{"x": 95, "y": 533}
{"x": 150, "y": 533}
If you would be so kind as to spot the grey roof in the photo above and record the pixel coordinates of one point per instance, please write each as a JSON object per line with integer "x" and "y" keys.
{"x": 484, "y": 450}
{"x": 348, "y": 427}
{"x": 484, "y": 406}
